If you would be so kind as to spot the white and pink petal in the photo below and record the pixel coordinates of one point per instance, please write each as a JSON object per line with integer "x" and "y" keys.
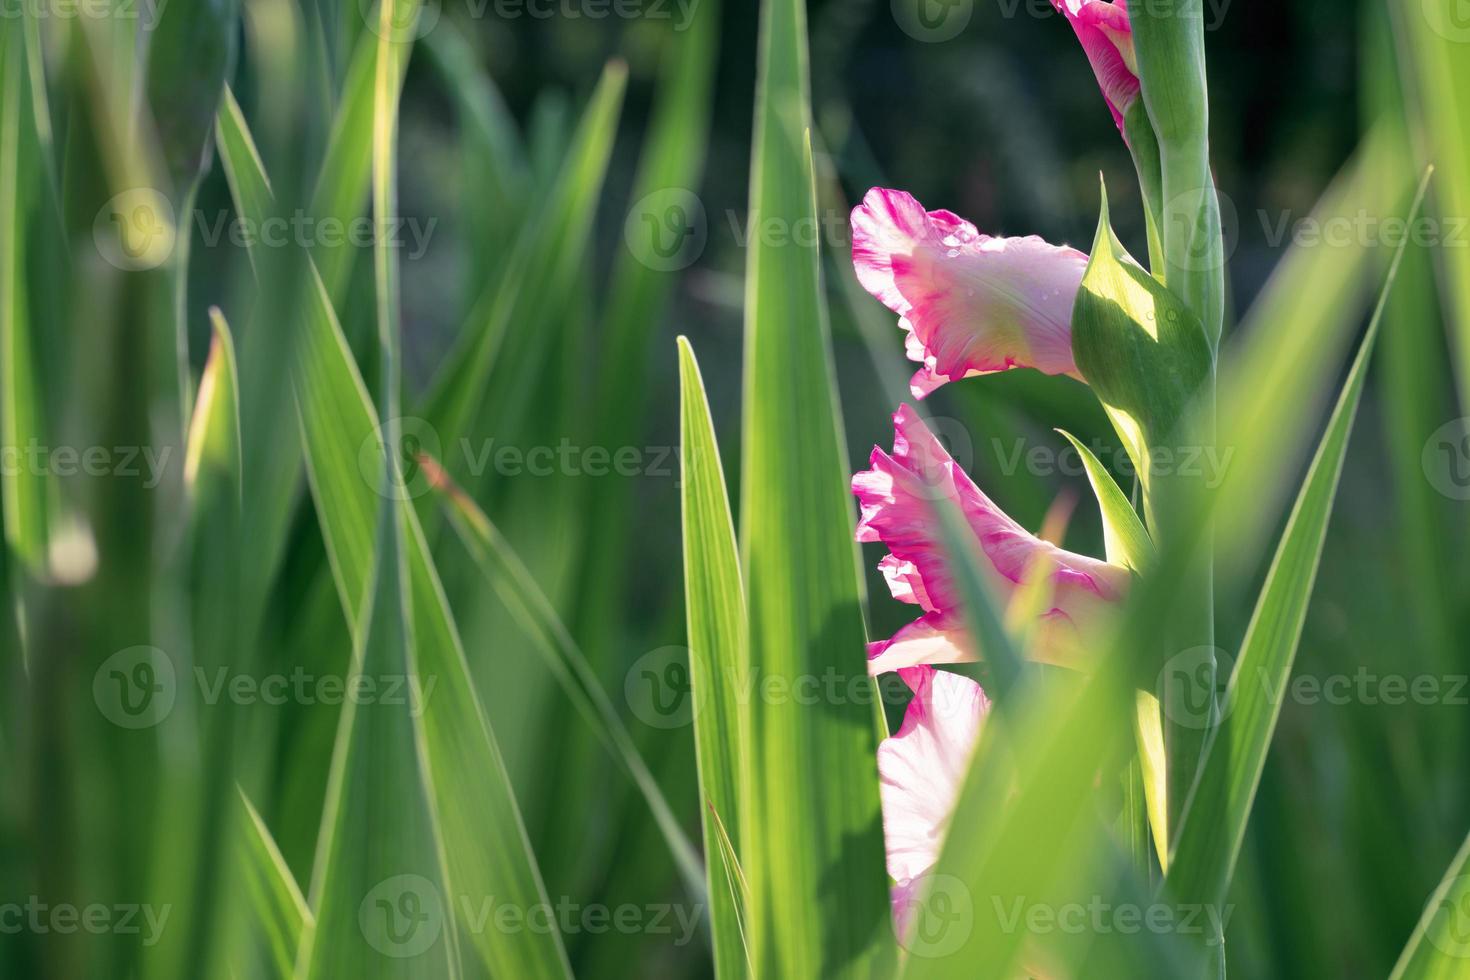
{"x": 972, "y": 303}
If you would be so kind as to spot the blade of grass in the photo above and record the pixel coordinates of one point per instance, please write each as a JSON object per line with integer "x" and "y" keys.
{"x": 668, "y": 171}
{"x": 1213, "y": 824}
{"x": 512, "y": 581}
{"x": 1439, "y": 948}
{"x": 1432, "y": 43}
{"x": 380, "y": 836}
{"x": 714, "y": 599}
{"x": 1128, "y": 543}
{"x": 810, "y": 833}
{"x": 491, "y": 365}
{"x": 280, "y": 914}
{"x": 1273, "y": 379}
{"x": 480, "y": 822}
{"x": 378, "y": 888}
{"x": 494, "y": 159}
{"x": 1124, "y": 536}
{"x": 24, "y": 490}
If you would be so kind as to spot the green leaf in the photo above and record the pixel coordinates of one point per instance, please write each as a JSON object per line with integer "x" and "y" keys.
{"x": 1214, "y": 820}
{"x": 983, "y": 615}
{"x": 382, "y": 902}
{"x": 24, "y": 490}
{"x": 212, "y": 449}
{"x": 1124, "y": 536}
{"x": 1288, "y": 360}
{"x": 1432, "y": 37}
{"x": 474, "y": 805}
{"x": 714, "y": 599}
{"x": 497, "y": 357}
{"x": 342, "y": 185}
{"x": 669, "y": 172}
{"x": 810, "y": 838}
{"x": 380, "y": 873}
{"x": 493, "y": 157}
{"x": 1140, "y": 348}
{"x": 1128, "y": 543}
{"x": 517, "y": 588}
{"x": 190, "y": 54}
{"x": 279, "y": 911}
{"x": 1439, "y": 948}
{"x": 1170, "y": 51}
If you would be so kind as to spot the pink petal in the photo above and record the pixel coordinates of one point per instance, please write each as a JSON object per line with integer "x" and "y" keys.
{"x": 972, "y": 303}
{"x": 897, "y": 496}
{"x": 930, "y": 639}
{"x": 922, "y": 766}
{"x": 1107, "y": 39}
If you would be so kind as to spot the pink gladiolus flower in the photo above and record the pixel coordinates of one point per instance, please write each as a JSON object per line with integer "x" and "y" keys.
{"x": 920, "y": 770}
{"x": 897, "y": 496}
{"x": 1107, "y": 38}
{"x": 972, "y": 304}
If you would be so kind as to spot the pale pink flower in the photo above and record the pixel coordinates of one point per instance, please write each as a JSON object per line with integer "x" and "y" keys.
{"x": 1107, "y": 38}
{"x": 920, "y": 771}
{"x": 972, "y": 303}
{"x": 898, "y": 495}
